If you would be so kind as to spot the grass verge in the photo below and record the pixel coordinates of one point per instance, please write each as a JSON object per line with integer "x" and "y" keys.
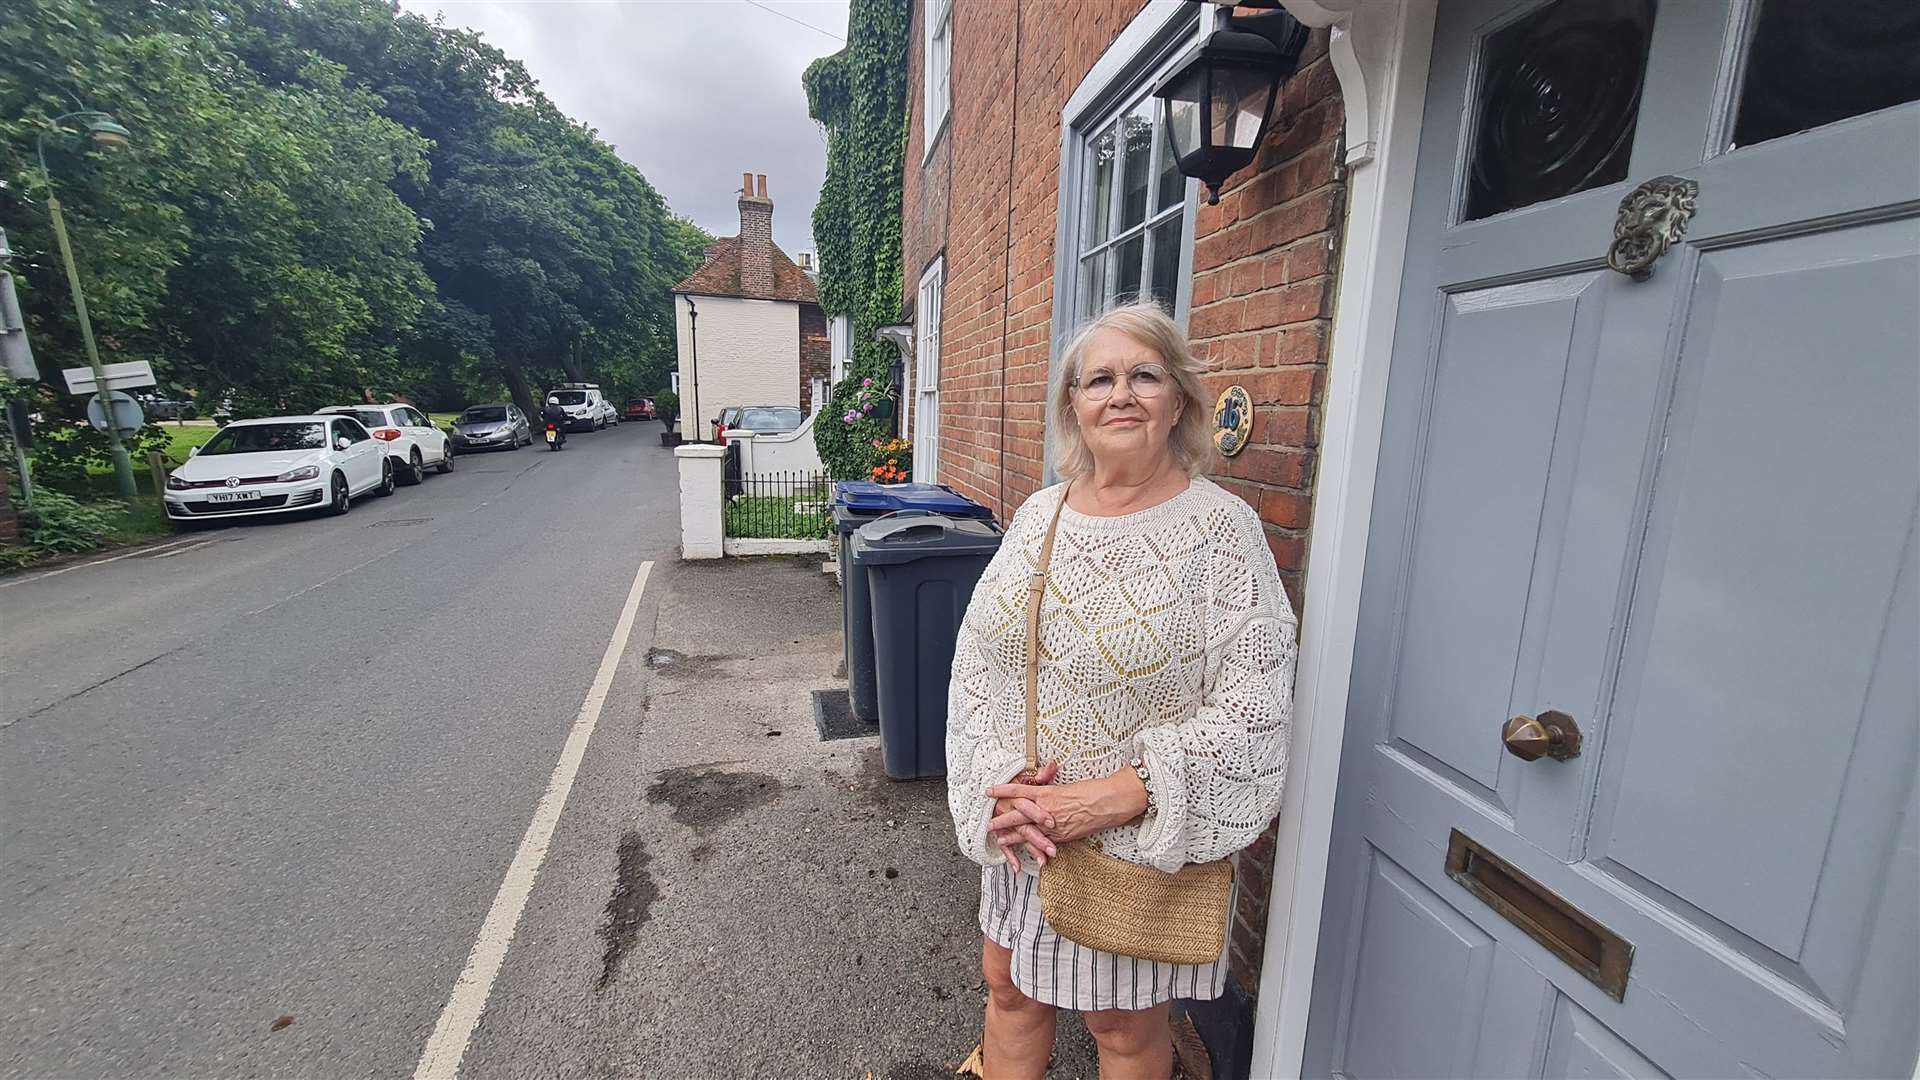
{"x": 777, "y": 517}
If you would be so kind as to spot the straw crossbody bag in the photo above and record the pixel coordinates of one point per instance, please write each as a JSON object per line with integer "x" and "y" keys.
{"x": 1093, "y": 899}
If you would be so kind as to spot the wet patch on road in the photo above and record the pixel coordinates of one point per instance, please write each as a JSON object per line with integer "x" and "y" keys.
{"x": 629, "y": 907}
{"x": 703, "y": 798}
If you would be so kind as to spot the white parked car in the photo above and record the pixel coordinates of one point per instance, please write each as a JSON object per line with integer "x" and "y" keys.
{"x": 412, "y": 440}
{"x": 279, "y": 465}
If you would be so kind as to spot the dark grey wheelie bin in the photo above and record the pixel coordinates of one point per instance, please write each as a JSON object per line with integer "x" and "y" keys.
{"x": 920, "y": 573}
{"x": 855, "y": 503}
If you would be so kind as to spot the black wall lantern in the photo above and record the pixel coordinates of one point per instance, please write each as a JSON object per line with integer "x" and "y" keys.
{"x": 1218, "y": 101}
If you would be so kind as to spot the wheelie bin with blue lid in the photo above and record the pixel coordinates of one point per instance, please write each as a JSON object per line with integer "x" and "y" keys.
{"x": 920, "y": 573}
{"x": 855, "y": 503}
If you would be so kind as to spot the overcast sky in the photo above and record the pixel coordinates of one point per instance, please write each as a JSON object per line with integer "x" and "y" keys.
{"x": 692, "y": 92}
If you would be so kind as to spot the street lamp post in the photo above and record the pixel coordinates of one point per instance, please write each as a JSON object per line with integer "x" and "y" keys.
{"x": 104, "y": 132}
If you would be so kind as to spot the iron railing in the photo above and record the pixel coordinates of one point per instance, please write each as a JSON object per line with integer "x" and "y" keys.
{"x": 779, "y": 505}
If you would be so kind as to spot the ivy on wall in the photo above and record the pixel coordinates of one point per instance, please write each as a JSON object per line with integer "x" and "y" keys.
{"x": 859, "y": 96}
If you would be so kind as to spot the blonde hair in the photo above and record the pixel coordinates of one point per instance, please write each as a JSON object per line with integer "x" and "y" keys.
{"x": 1190, "y": 441}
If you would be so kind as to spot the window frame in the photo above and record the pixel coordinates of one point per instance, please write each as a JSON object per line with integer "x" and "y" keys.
{"x": 1117, "y": 233}
{"x": 929, "y": 305}
{"x": 839, "y": 347}
{"x": 937, "y": 36}
{"x": 1150, "y": 45}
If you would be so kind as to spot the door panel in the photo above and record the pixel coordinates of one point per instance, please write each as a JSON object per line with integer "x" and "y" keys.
{"x": 1579, "y": 1045}
{"x": 1684, "y": 510}
{"x": 1481, "y": 492}
{"x": 1725, "y": 579}
{"x": 1420, "y": 984}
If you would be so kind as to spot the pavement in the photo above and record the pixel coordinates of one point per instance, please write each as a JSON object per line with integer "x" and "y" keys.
{"x": 259, "y": 788}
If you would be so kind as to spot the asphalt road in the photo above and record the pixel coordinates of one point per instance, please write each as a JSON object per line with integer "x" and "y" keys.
{"x": 278, "y": 769}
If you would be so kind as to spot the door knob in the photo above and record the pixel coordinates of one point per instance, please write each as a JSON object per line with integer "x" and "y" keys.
{"x": 1552, "y": 734}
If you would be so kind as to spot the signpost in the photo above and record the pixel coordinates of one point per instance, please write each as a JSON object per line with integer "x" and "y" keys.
{"x": 125, "y": 376}
{"x": 127, "y": 416}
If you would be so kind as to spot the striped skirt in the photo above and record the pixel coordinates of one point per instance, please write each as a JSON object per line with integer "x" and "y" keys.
{"x": 1050, "y": 969}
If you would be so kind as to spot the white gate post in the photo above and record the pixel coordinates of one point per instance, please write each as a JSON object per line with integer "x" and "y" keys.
{"x": 700, "y": 500}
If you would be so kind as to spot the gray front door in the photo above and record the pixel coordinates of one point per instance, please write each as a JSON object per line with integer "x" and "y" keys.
{"x": 1681, "y": 511}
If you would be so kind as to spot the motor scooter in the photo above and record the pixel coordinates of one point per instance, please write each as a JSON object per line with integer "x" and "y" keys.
{"x": 555, "y": 437}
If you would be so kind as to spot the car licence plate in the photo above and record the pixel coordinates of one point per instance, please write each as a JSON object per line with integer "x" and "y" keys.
{"x": 233, "y": 496}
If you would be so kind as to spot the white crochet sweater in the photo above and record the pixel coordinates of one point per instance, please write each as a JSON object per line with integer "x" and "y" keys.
{"x": 1163, "y": 633}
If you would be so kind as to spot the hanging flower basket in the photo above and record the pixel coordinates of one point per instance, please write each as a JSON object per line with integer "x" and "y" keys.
{"x": 872, "y": 401}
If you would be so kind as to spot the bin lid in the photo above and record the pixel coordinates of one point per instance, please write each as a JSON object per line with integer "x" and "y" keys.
{"x": 865, "y": 496}
{"x": 892, "y": 541}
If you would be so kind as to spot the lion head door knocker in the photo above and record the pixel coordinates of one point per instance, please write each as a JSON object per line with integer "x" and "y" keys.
{"x": 1232, "y": 420}
{"x": 1652, "y": 218}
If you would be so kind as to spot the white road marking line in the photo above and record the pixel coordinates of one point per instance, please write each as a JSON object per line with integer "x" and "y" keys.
{"x": 97, "y": 562}
{"x": 448, "y": 1045}
{"x": 189, "y": 547}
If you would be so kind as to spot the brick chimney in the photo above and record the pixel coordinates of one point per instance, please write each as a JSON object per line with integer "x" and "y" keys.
{"x": 756, "y": 237}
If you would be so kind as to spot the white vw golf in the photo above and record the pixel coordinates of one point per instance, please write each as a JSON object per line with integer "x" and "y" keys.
{"x": 282, "y": 464}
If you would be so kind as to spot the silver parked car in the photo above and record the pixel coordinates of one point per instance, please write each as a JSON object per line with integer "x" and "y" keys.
{"x": 491, "y": 427}
{"x": 767, "y": 419}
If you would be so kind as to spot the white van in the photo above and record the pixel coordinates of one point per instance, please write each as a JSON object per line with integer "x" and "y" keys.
{"x": 587, "y": 409}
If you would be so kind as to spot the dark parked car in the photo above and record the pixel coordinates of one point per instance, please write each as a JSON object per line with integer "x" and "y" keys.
{"x": 165, "y": 408}
{"x": 491, "y": 427}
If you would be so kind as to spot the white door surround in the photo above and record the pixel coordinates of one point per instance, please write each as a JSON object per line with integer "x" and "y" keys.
{"x": 1379, "y": 50}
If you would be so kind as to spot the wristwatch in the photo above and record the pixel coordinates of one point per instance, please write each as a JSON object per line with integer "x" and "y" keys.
{"x": 1139, "y": 766}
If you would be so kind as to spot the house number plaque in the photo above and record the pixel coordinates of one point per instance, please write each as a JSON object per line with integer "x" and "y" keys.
{"x": 1232, "y": 420}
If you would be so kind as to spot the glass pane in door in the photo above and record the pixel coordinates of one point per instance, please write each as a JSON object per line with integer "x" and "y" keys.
{"x": 1813, "y": 62}
{"x": 1556, "y": 104}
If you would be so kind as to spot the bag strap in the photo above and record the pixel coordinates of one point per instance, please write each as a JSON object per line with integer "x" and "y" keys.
{"x": 1036, "y": 590}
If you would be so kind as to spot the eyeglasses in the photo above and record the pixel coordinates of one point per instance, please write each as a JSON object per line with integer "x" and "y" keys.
{"x": 1145, "y": 381}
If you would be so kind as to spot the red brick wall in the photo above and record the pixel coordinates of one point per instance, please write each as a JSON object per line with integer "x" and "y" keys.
{"x": 756, "y": 237}
{"x": 1264, "y": 280}
{"x": 924, "y": 182}
{"x": 816, "y": 353}
{"x": 994, "y": 353}
{"x": 1264, "y": 266}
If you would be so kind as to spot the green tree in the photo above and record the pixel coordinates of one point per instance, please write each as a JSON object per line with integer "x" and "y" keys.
{"x": 329, "y": 200}
{"x": 540, "y": 234}
{"x": 248, "y": 244}
{"x": 859, "y": 96}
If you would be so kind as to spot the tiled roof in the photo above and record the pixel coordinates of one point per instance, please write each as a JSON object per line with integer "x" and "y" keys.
{"x": 720, "y": 276}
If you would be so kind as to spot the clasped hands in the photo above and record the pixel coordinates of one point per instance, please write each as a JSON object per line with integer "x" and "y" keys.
{"x": 1040, "y": 815}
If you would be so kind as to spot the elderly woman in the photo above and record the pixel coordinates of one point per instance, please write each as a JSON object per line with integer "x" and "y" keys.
{"x": 1163, "y": 699}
